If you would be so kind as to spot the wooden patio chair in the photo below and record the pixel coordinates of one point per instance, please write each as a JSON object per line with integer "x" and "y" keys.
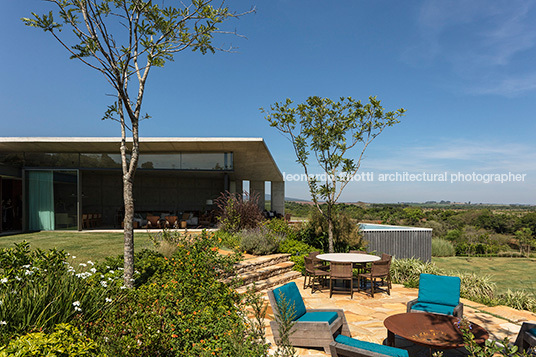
{"x": 341, "y": 271}
{"x": 316, "y": 276}
{"x": 378, "y": 270}
{"x": 172, "y": 221}
{"x": 439, "y": 295}
{"x": 344, "y": 346}
{"x": 318, "y": 263}
{"x": 526, "y": 338}
{"x": 313, "y": 327}
{"x": 153, "y": 221}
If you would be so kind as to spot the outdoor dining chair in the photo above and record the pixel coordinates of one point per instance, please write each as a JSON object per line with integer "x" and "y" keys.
{"x": 312, "y": 327}
{"x": 316, "y": 276}
{"x": 341, "y": 271}
{"x": 438, "y": 294}
{"x": 378, "y": 270}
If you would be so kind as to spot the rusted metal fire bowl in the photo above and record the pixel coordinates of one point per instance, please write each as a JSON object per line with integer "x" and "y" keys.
{"x": 431, "y": 330}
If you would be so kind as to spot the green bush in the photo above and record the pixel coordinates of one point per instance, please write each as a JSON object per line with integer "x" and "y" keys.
{"x": 259, "y": 241}
{"x": 477, "y": 287}
{"x": 236, "y": 213}
{"x": 39, "y": 290}
{"x": 297, "y": 250}
{"x": 183, "y": 310}
{"x": 228, "y": 240}
{"x": 408, "y": 271}
{"x": 442, "y": 248}
{"x": 520, "y": 300}
{"x": 346, "y": 234}
{"x": 66, "y": 340}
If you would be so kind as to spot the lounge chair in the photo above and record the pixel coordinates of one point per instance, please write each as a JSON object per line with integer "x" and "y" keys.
{"x": 313, "y": 327}
{"x": 439, "y": 295}
{"x": 527, "y": 336}
{"x": 344, "y": 346}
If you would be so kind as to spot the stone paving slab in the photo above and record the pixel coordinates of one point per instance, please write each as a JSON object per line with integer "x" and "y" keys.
{"x": 365, "y": 315}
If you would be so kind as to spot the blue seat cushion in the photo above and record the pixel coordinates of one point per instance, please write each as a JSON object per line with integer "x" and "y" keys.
{"x": 441, "y": 290}
{"x": 319, "y": 316}
{"x": 434, "y": 308}
{"x": 532, "y": 331}
{"x": 293, "y": 297}
{"x": 373, "y": 347}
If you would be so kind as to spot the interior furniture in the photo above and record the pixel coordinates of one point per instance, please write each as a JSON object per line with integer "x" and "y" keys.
{"x": 341, "y": 271}
{"x": 153, "y": 221}
{"x": 438, "y": 294}
{"x": 172, "y": 221}
{"x": 316, "y": 276}
{"x": 430, "y": 330}
{"x": 526, "y": 338}
{"x": 313, "y": 327}
{"x": 378, "y": 270}
{"x": 344, "y": 346}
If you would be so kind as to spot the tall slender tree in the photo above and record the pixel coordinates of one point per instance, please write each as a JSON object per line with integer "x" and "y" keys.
{"x": 338, "y": 134}
{"x": 123, "y": 40}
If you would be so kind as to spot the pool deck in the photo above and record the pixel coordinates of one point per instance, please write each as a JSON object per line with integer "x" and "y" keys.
{"x": 365, "y": 315}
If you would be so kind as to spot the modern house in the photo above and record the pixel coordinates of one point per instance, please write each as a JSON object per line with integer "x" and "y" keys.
{"x": 55, "y": 183}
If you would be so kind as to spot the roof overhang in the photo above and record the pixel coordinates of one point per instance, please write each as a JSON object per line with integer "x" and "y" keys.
{"x": 252, "y": 159}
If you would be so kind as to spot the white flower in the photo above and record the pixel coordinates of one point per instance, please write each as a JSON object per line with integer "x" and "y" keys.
{"x": 107, "y": 267}
{"x": 103, "y": 283}
{"x": 76, "y": 303}
{"x": 111, "y": 272}
{"x": 76, "y": 308}
{"x": 83, "y": 264}
{"x": 93, "y": 270}
{"x": 74, "y": 257}
{"x": 105, "y": 339}
{"x": 3, "y": 323}
{"x": 90, "y": 262}
{"x": 26, "y": 266}
{"x": 17, "y": 278}
{"x": 28, "y": 272}
{"x": 3, "y": 280}
{"x": 123, "y": 287}
{"x": 108, "y": 300}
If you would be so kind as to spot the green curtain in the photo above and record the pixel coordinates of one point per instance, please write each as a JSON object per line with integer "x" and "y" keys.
{"x": 40, "y": 201}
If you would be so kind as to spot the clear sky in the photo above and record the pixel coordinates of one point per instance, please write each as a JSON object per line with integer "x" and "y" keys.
{"x": 465, "y": 71}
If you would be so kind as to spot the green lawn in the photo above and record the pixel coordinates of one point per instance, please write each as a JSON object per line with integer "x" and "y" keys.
{"x": 507, "y": 273}
{"x": 84, "y": 245}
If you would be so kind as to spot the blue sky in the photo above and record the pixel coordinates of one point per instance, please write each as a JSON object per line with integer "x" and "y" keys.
{"x": 465, "y": 71}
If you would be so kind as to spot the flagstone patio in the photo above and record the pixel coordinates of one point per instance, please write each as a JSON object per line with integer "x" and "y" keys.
{"x": 365, "y": 315}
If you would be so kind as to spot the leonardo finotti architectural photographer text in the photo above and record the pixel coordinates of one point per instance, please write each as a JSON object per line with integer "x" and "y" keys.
{"x": 405, "y": 176}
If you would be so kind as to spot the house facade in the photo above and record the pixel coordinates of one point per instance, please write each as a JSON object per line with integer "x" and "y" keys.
{"x": 57, "y": 183}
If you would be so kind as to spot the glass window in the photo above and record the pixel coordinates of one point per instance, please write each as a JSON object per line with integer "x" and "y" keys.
{"x": 160, "y": 161}
{"x": 102, "y": 161}
{"x": 40, "y": 159}
{"x": 12, "y": 159}
{"x": 206, "y": 161}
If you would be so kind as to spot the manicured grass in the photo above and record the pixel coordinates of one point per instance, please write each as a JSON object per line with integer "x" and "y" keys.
{"x": 507, "y": 273}
{"x": 84, "y": 245}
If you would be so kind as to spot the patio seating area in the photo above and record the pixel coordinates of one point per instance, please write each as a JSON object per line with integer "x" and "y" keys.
{"x": 365, "y": 315}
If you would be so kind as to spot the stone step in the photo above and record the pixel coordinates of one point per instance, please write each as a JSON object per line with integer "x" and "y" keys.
{"x": 259, "y": 262}
{"x": 271, "y": 281}
{"x": 265, "y": 272}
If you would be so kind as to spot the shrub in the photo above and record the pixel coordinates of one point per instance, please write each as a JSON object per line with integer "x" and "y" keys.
{"x": 228, "y": 240}
{"x": 520, "y": 300}
{"x": 478, "y": 288}
{"x": 183, "y": 310}
{"x": 236, "y": 213}
{"x": 297, "y": 250}
{"x": 408, "y": 271}
{"x": 442, "y": 248}
{"x": 346, "y": 232}
{"x": 46, "y": 291}
{"x": 65, "y": 340}
{"x": 259, "y": 241}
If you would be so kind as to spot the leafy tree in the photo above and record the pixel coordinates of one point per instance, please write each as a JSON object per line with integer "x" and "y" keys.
{"x": 123, "y": 40}
{"x": 333, "y": 131}
{"x": 526, "y": 241}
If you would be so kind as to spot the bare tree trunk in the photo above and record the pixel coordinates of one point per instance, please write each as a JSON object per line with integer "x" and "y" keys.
{"x": 128, "y": 231}
{"x": 330, "y": 235}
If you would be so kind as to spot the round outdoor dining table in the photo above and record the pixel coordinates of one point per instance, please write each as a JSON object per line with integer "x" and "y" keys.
{"x": 348, "y": 257}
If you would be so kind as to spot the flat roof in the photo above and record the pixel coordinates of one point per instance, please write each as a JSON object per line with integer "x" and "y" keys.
{"x": 252, "y": 159}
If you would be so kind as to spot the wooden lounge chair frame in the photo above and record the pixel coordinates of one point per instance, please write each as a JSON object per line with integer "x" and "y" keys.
{"x": 311, "y": 333}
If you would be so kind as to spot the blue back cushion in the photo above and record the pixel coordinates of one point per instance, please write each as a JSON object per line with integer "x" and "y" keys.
{"x": 442, "y": 290}
{"x": 532, "y": 331}
{"x": 374, "y": 347}
{"x": 320, "y": 316}
{"x": 293, "y": 297}
{"x": 434, "y": 308}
